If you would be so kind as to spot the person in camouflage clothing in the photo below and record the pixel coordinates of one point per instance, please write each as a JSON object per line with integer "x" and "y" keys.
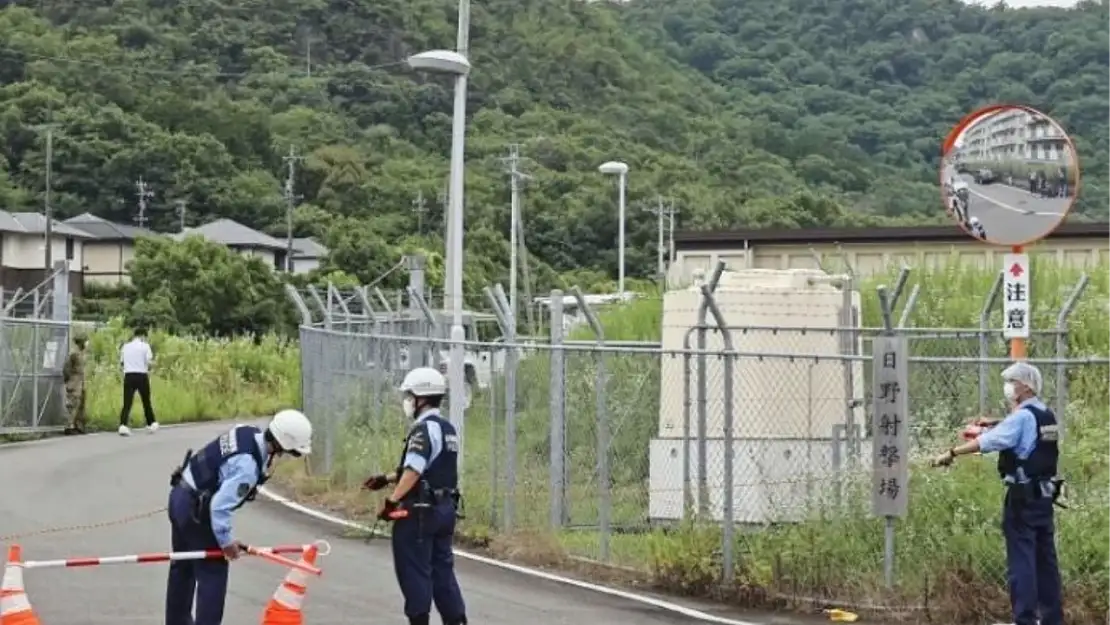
{"x": 74, "y": 376}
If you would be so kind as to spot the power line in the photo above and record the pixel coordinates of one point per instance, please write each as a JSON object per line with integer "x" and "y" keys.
{"x": 144, "y": 193}
{"x": 291, "y": 198}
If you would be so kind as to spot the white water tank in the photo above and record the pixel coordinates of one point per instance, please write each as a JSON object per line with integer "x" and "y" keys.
{"x": 784, "y": 408}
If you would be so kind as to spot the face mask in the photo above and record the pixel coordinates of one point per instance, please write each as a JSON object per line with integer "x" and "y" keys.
{"x": 408, "y": 404}
{"x": 1010, "y": 391}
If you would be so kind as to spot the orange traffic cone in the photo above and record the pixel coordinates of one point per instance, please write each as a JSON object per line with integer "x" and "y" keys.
{"x": 15, "y": 607}
{"x": 285, "y": 606}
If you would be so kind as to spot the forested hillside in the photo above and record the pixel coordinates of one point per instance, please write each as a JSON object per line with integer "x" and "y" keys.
{"x": 747, "y": 113}
{"x": 880, "y": 81}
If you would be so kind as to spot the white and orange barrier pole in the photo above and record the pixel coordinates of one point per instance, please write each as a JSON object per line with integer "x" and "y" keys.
{"x": 270, "y": 554}
{"x": 15, "y": 607}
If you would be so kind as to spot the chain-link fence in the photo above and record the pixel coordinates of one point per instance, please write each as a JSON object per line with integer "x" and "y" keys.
{"x": 32, "y": 392}
{"x": 739, "y": 462}
{"x": 34, "y": 343}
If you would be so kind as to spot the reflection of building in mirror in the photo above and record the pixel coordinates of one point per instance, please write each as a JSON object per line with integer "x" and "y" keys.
{"x": 1014, "y": 134}
{"x": 1010, "y": 177}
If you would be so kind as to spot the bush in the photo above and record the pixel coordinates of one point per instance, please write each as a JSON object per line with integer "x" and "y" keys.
{"x": 194, "y": 379}
{"x": 949, "y": 552}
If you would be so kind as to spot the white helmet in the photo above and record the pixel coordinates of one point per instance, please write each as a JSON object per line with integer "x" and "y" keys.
{"x": 424, "y": 382}
{"x": 292, "y": 431}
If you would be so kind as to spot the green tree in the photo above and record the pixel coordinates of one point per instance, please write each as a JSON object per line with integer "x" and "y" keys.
{"x": 199, "y": 287}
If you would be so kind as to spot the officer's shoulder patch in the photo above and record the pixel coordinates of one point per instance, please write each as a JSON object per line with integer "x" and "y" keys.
{"x": 418, "y": 440}
{"x": 243, "y": 490}
{"x": 229, "y": 443}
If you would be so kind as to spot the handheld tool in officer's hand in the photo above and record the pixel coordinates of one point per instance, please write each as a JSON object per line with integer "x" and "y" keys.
{"x": 392, "y": 511}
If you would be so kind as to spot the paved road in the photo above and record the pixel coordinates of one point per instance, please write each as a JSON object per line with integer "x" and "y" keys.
{"x": 1011, "y": 215}
{"x": 103, "y": 477}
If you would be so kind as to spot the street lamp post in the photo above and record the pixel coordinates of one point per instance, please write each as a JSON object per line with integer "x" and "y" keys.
{"x": 621, "y": 171}
{"x": 456, "y": 64}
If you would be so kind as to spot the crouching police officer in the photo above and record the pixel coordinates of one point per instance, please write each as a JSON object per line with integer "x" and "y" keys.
{"x": 424, "y": 504}
{"x": 205, "y": 490}
{"x": 1028, "y": 452}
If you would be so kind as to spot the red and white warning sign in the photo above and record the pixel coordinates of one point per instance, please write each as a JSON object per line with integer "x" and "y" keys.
{"x": 1015, "y": 296}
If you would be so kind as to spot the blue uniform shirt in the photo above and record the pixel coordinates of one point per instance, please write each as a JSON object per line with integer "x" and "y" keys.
{"x": 418, "y": 459}
{"x": 1018, "y": 431}
{"x": 234, "y": 472}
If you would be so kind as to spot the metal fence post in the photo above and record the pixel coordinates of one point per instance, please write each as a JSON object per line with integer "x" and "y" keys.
{"x": 35, "y": 361}
{"x": 60, "y": 309}
{"x": 511, "y": 360}
{"x": 1062, "y": 348}
{"x": 557, "y": 407}
{"x": 601, "y": 412}
{"x": 703, "y": 393}
{"x": 687, "y": 405}
{"x": 415, "y": 264}
{"x": 728, "y": 568}
{"x": 984, "y": 341}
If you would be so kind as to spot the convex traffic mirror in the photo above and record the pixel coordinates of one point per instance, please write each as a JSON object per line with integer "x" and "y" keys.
{"x": 1009, "y": 175}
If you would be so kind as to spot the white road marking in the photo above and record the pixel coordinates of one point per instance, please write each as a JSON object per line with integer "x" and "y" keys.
{"x": 668, "y": 606}
{"x": 1023, "y": 211}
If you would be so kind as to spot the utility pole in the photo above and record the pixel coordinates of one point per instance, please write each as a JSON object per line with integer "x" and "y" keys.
{"x": 419, "y": 207}
{"x": 308, "y": 53}
{"x": 444, "y": 200}
{"x": 48, "y": 208}
{"x": 515, "y": 177}
{"x": 658, "y": 210}
{"x": 290, "y": 202}
{"x": 144, "y": 193}
{"x": 671, "y": 212}
{"x": 181, "y": 214}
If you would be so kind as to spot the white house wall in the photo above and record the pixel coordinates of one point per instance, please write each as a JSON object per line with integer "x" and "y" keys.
{"x": 26, "y": 251}
{"x": 106, "y": 262}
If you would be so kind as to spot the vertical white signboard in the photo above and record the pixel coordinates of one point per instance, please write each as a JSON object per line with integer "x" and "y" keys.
{"x": 1015, "y": 296}
{"x": 890, "y": 446}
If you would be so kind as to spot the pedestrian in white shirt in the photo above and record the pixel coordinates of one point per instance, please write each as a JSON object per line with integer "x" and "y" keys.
{"x": 136, "y": 357}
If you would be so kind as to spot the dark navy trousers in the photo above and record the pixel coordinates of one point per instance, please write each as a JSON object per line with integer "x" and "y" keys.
{"x": 1032, "y": 570}
{"x": 204, "y": 579}
{"x": 425, "y": 564}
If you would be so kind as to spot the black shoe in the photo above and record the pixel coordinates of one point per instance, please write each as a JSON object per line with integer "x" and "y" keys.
{"x": 423, "y": 619}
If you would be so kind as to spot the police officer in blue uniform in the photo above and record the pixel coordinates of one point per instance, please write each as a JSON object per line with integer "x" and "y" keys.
{"x": 424, "y": 504}
{"x": 205, "y": 490}
{"x": 1028, "y": 455}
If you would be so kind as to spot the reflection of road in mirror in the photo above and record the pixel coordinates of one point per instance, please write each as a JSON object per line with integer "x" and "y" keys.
{"x": 1008, "y": 215}
{"x": 1011, "y": 177}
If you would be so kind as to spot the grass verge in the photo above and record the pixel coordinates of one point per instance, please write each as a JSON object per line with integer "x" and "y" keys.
{"x": 194, "y": 379}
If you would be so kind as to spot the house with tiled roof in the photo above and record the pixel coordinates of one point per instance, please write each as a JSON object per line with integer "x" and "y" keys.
{"x": 109, "y": 248}
{"x": 246, "y": 241}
